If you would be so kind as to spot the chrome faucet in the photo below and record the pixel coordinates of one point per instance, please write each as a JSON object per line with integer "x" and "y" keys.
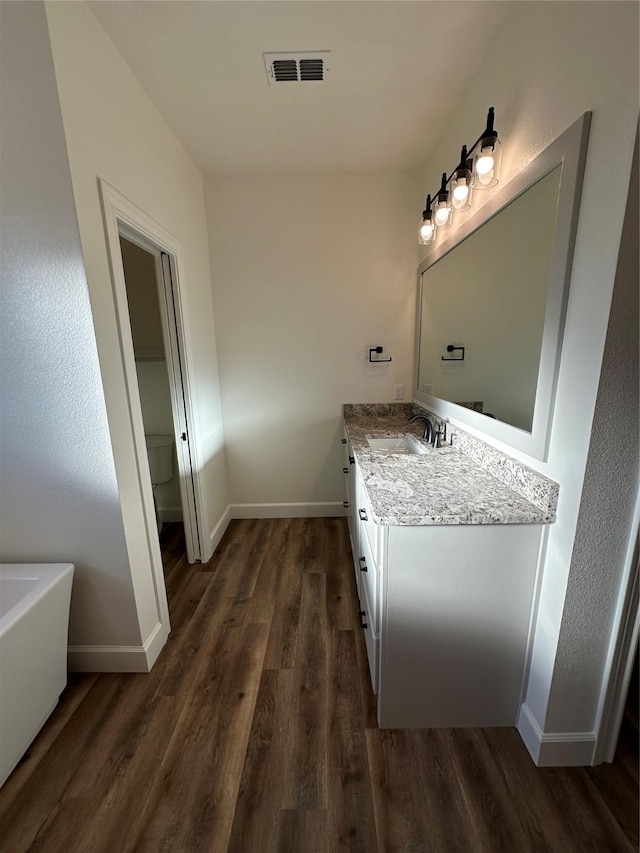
{"x": 428, "y": 434}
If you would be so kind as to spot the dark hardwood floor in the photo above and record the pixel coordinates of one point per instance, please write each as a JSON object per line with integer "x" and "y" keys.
{"x": 256, "y": 733}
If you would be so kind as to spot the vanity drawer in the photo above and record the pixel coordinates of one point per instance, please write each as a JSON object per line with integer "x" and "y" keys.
{"x": 369, "y": 579}
{"x": 365, "y": 516}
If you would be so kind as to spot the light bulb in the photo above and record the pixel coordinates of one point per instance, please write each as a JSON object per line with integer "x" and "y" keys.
{"x": 426, "y": 231}
{"x": 461, "y": 191}
{"x": 484, "y": 165}
{"x": 442, "y": 216}
{"x": 443, "y": 205}
{"x": 461, "y": 183}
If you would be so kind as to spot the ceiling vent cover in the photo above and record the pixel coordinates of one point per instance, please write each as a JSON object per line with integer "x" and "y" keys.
{"x": 297, "y": 67}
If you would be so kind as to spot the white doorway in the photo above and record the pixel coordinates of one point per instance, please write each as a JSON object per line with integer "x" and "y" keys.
{"x": 123, "y": 221}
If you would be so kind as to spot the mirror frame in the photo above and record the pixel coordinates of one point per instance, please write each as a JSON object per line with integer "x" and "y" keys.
{"x": 568, "y": 150}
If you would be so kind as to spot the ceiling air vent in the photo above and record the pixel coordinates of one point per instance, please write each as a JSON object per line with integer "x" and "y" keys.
{"x": 296, "y": 67}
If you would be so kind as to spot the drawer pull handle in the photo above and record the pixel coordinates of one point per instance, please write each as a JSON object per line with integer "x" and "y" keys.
{"x": 363, "y": 515}
{"x": 363, "y": 567}
{"x": 344, "y": 440}
{"x": 345, "y": 470}
{"x": 362, "y": 614}
{"x": 345, "y": 504}
{"x": 352, "y": 460}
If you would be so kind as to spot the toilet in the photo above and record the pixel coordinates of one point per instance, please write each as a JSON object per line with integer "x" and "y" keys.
{"x": 160, "y": 455}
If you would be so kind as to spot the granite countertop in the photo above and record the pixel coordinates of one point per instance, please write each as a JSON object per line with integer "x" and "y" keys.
{"x": 443, "y": 486}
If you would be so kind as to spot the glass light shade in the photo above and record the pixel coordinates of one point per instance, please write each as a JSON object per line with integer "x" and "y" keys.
{"x": 443, "y": 210}
{"x": 461, "y": 190}
{"x": 427, "y": 233}
{"x": 486, "y": 165}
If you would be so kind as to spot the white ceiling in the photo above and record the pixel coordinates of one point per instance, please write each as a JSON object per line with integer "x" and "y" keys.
{"x": 395, "y": 75}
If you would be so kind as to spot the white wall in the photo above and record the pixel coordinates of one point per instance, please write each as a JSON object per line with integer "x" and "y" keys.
{"x": 59, "y": 495}
{"x": 308, "y": 272}
{"x": 115, "y": 132}
{"x": 541, "y": 75}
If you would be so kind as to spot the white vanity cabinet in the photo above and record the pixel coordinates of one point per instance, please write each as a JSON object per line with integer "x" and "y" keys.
{"x": 447, "y": 611}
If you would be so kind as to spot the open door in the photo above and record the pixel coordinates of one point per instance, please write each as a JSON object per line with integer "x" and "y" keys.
{"x": 171, "y": 332}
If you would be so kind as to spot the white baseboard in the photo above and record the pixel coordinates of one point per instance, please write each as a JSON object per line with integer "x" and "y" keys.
{"x": 296, "y": 510}
{"x": 557, "y": 749}
{"x": 219, "y": 530}
{"x": 118, "y": 658}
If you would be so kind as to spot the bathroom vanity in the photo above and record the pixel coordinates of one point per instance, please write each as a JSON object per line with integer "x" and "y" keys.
{"x": 445, "y": 560}
{"x": 447, "y": 543}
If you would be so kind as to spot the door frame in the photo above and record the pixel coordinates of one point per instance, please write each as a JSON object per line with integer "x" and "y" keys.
{"x": 123, "y": 218}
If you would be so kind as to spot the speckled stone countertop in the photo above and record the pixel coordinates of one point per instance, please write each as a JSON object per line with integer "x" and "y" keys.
{"x": 444, "y": 486}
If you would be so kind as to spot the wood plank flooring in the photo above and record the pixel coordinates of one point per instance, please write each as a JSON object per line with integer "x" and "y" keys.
{"x": 256, "y": 733}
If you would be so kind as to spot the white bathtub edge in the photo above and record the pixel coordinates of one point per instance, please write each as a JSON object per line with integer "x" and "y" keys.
{"x": 118, "y": 658}
{"x": 46, "y": 577}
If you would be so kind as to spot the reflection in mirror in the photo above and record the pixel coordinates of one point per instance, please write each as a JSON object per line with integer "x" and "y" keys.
{"x": 489, "y": 296}
{"x": 493, "y": 295}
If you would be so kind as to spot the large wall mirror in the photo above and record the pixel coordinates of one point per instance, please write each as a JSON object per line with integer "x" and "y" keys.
{"x": 492, "y": 299}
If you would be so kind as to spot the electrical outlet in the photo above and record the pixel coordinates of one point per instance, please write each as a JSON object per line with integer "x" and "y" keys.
{"x": 428, "y": 389}
{"x": 398, "y": 392}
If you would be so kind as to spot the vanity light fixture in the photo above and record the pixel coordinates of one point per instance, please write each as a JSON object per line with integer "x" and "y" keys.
{"x": 472, "y": 173}
{"x": 486, "y": 166}
{"x": 428, "y": 224}
{"x": 461, "y": 182}
{"x": 443, "y": 205}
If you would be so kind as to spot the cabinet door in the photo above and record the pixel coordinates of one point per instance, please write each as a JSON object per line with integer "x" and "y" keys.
{"x": 354, "y": 532}
{"x": 349, "y": 474}
{"x": 346, "y": 468}
{"x": 369, "y": 579}
{"x": 371, "y": 640}
{"x": 365, "y": 516}
{"x": 457, "y": 607}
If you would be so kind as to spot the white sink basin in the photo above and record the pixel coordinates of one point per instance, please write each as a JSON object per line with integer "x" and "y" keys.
{"x": 398, "y": 444}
